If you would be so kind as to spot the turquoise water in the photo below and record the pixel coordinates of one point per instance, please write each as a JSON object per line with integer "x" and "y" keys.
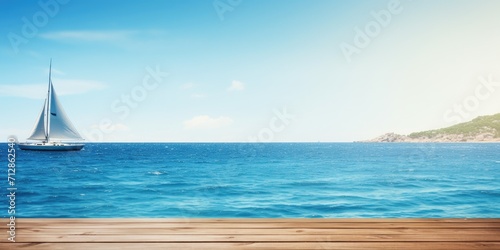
{"x": 259, "y": 180}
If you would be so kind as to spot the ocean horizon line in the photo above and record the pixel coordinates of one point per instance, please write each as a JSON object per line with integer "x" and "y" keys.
{"x": 276, "y": 142}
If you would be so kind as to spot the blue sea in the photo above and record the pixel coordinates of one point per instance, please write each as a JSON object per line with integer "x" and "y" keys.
{"x": 251, "y": 180}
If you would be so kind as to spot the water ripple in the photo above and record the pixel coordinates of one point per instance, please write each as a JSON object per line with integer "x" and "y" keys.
{"x": 315, "y": 180}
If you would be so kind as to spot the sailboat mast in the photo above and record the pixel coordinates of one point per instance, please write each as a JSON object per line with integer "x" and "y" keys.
{"x": 47, "y": 113}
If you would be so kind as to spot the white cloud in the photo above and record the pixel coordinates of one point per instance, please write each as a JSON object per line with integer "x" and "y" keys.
{"x": 236, "y": 86}
{"x": 89, "y": 35}
{"x": 33, "y": 91}
{"x": 33, "y": 54}
{"x": 113, "y": 127}
{"x": 62, "y": 87}
{"x": 56, "y": 71}
{"x": 198, "y": 96}
{"x": 76, "y": 86}
{"x": 102, "y": 35}
{"x": 187, "y": 86}
{"x": 207, "y": 122}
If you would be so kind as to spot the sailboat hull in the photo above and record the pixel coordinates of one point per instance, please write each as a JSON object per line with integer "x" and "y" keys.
{"x": 50, "y": 146}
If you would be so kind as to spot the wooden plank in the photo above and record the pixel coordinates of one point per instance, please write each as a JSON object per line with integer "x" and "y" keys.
{"x": 248, "y": 223}
{"x": 367, "y": 225}
{"x": 260, "y": 246}
{"x": 151, "y": 233}
{"x": 251, "y": 220}
{"x": 222, "y": 231}
{"x": 259, "y": 238}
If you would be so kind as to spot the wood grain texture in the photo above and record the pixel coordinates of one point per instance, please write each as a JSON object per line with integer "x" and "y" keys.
{"x": 151, "y": 233}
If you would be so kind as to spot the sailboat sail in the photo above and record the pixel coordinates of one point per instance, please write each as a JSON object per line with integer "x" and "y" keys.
{"x": 59, "y": 127}
{"x": 53, "y": 123}
{"x": 53, "y": 127}
{"x": 39, "y": 129}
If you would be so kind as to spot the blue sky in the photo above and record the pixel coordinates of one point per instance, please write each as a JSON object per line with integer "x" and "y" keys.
{"x": 250, "y": 70}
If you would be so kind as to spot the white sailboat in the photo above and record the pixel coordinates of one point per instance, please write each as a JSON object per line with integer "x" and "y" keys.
{"x": 53, "y": 130}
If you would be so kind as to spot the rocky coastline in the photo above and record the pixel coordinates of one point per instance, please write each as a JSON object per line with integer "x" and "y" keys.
{"x": 393, "y": 137}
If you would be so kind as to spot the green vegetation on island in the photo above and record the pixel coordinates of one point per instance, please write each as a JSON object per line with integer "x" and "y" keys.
{"x": 480, "y": 129}
{"x": 480, "y": 125}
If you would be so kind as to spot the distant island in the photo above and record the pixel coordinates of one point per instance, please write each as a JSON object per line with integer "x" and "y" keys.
{"x": 481, "y": 129}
